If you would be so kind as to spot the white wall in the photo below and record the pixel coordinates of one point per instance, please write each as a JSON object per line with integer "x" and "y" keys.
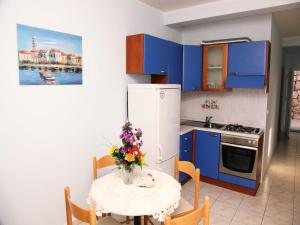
{"x": 272, "y": 124}
{"x": 235, "y": 106}
{"x": 50, "y": 133}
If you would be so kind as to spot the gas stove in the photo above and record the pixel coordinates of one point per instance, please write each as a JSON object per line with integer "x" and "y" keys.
{"x": 241, "y": 129}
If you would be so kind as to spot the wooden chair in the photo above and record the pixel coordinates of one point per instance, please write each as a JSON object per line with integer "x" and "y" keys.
{"x": 184, "y": 206}
{"x": 189, "y": 169}
{"x": 83, "y": 215}
{"x": 194, "y": 217}
{"x": 105, "y": 161}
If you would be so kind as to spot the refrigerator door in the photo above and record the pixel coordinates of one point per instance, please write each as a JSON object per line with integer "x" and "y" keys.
{"x": 168, "y": 126}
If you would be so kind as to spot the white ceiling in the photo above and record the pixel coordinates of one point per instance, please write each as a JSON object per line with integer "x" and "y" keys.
{"x": 288, "y": 22}
{"x": 169, "y": 5}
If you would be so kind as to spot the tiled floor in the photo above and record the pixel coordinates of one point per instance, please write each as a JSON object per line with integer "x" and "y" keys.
{"x": 277, "y": 201}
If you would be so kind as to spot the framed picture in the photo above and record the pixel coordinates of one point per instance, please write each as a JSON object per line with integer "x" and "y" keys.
{"x": 48, "y": 57}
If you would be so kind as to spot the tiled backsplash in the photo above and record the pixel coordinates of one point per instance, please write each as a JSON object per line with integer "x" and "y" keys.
{"x": 244, "y": 106}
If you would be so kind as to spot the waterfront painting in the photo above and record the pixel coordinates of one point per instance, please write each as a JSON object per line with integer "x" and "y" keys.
{"x": 48, "y": 57}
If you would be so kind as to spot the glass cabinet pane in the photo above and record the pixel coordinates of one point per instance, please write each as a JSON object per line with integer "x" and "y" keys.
{"x": 214, "y": 77}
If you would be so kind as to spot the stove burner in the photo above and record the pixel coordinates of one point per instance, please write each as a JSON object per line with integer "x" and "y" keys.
{"x": 241, "y": 129}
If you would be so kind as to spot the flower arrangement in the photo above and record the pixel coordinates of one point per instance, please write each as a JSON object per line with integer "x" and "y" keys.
{"x": 129, "y": 154}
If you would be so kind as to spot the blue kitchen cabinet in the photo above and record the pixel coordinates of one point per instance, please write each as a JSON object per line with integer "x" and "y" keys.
{"x": 146, "y": 54}
{"x": 149, "y": 55}
{"x": 247, "y": 64}
{"x": 186, "y": 151}
{"x": 192, "y": 68}
{"x": 155, "y": 55}
{"x": 207, "y": 153}
{"x": 174, "y": 63}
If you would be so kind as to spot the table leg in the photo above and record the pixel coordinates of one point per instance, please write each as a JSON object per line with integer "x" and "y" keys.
{"x": 137, "y": 220}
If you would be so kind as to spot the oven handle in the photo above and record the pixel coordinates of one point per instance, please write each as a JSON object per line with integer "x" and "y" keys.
{"x": 239, "y": 146}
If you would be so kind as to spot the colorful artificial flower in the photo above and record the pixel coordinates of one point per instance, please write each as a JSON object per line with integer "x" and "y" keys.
{"x": 129, "y": 157}
{"x": 142, "y": 160}
{"x": 129, "y": 154}
{"x": 112, "y": 149}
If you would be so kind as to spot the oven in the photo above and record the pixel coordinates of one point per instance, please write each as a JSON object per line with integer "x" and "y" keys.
{"x": 238, "y": 156}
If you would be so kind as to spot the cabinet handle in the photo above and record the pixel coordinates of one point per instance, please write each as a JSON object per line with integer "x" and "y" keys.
{"x": 213, "y": 134}
{"x": 162, "y": 71}
{"x": 185, "y": 150}
{"x": 186, "y": 139}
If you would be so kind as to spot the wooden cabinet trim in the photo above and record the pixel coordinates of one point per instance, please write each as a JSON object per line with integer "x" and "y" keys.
{"x": 135, "y": 54}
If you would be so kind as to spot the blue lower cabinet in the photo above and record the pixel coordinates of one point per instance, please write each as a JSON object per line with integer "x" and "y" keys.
{"x": 207, "y": 151}
{"x": 186, "y": 151}
{"x": 237, "y": 180}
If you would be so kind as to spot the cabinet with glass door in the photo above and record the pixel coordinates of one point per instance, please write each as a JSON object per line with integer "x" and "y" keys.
{"x": 214, "y": 67}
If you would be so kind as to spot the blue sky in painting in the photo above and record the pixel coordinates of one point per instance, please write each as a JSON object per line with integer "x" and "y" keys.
{"x": 47, "y": 39}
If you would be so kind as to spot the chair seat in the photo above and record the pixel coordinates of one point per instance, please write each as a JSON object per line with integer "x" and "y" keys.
{"x": 108, "y": 220}
{"x": 184, "y": 206}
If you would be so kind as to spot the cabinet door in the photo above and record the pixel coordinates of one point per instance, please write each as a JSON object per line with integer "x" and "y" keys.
{"x": 247, "y": 59}
{"x": 174, "y": 63}
{"x": 155, "y": 55}
{"x": 186, "y": 151}
{"x": 214, "y": 67}
{"x": 192, "y": 67}
{"x": 207, "y": 153}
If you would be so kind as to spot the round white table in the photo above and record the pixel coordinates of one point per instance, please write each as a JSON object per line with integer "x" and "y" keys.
{"x": 109, "y": 194}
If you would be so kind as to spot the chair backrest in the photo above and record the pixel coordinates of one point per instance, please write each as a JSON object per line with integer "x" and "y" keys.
{"x": 193, "y": 217}
{"x": 189, "y": 168}
{"x": 84, "y": 215}
{"x": 104, "y": 161}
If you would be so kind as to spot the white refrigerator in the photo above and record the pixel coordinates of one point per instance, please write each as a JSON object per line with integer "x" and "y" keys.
{"x": 155, "y": 108}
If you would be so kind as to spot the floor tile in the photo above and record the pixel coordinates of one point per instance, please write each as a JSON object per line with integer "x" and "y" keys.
{"x": 247, "y": 217}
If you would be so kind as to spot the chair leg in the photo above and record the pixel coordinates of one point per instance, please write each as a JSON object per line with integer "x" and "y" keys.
{"x": 145, "y": 220}
{"x": 127, "y": 219}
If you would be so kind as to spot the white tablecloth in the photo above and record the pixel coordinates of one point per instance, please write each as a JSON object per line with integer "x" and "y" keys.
{"x": 109, "y": 194}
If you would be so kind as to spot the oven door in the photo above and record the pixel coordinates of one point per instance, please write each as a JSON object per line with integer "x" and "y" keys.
{"x": 238, "y": 160}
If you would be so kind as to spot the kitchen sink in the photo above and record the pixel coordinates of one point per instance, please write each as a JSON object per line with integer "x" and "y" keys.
{"x": 195, "y": 123}
{"x": 214, "y": 125}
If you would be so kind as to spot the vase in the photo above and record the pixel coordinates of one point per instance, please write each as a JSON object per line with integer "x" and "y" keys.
{"x": 127, "y": 174}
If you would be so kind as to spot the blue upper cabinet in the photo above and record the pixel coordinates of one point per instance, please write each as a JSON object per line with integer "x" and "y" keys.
{"x": 207, "y": 153}
{"x": 248, "y": 64}
{"x": 146, "y": 54}
{"x": 155, "y": 55}
{"x": 174, "y": 63}
{"x": 150, "y": 55}
{"x": 192, "y": 68}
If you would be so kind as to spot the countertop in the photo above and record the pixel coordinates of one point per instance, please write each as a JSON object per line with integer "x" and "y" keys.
{"x": 185, "y": 129}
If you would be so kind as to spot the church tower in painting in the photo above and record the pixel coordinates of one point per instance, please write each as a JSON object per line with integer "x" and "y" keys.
{"x": 34, "y": 42}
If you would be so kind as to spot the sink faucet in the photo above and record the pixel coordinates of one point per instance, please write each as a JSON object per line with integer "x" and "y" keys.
{"x": 208, "y": 121}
